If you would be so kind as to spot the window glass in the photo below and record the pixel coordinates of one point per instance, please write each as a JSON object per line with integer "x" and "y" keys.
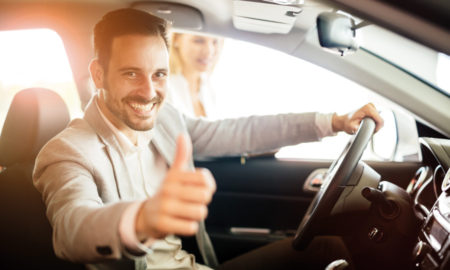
{"x": 251, "y": 79}
{"x": 427, "y": 64}
{"x": 35, "y": 58}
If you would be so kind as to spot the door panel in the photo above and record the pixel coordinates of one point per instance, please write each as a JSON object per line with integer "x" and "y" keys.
{"x": 263, "y": 193}
{"x": 267, "y": 193}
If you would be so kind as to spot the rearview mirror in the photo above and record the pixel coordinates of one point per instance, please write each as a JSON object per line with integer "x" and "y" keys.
{"x": 336, "y": 32}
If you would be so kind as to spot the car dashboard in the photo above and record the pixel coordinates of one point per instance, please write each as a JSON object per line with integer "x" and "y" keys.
{"x": 430, "y": 191}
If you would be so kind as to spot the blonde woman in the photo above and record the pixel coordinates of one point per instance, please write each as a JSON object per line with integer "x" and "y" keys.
{"x": 192, "y": 59}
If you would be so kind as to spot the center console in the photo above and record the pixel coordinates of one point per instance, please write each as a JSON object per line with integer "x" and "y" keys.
{"x": 432, "y": 251}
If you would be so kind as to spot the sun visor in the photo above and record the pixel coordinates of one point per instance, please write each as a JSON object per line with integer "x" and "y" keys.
{"x": 181, "y": 16}
{"x": 266, "y": 18}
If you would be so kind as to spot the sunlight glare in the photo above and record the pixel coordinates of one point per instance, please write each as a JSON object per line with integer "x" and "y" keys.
{"x": 43, "y": 47}
{"x": 35, "y": 58}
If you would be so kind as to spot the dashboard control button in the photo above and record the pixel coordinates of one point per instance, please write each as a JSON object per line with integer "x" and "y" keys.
{"x": 375, "y": 234}
{"x": 420, "y": 250}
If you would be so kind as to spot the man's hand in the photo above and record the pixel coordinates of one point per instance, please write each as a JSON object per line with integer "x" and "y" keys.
{"x": 181, "y": 201}
{"x": 350, "y": 122}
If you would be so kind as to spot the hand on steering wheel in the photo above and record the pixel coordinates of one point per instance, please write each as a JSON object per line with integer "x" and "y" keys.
{"x": 335, "y": 182}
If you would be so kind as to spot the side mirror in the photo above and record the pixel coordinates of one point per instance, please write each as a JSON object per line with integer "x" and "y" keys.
{"x": 337, "y": 32}
{"x": 398, "y": 140}
{"x": 384, "y": 142}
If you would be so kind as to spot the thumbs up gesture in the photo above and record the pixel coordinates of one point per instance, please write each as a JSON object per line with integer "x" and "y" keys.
{"x": 181, "y": 201}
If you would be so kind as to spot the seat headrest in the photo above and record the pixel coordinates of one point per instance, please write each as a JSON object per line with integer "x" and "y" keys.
{"x": 34, "y": 117}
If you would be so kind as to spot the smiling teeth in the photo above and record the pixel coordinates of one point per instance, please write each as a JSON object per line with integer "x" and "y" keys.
{"x": 141, "y": 107}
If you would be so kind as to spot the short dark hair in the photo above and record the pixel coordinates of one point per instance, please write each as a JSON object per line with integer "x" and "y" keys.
{"x": 123, "y": 22}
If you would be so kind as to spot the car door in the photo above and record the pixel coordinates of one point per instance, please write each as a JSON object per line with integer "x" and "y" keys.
{"x": 261, "y": 199}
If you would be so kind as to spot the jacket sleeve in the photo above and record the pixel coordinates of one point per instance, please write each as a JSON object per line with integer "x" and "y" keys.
{"x": 84, "y": 228}
{"x": 252, "y": 135}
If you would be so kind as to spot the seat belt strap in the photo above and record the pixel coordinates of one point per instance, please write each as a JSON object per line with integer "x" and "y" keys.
{"x": 205, "y": 246}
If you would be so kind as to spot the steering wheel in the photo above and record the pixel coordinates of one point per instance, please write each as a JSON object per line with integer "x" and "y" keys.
{"x": 335, "y": 181}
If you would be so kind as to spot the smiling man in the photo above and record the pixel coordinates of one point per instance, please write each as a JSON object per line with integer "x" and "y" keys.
{"x": 133, "y": 83}
{"x": 120, "y": 183}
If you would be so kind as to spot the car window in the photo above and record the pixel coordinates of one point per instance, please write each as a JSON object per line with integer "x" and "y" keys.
{"x": 425, "y": 63}
{"x": 251, "y": 79}
{"x": 35, "y": 58}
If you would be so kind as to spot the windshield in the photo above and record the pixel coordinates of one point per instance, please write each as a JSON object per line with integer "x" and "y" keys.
{"x": 425, "y": 63}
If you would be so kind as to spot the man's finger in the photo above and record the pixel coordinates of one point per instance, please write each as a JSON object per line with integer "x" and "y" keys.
{"x": 199, "y": 177}
{"x": 367, "y": 110}
{"x": 189, "y": 193}
{"x": 185, "y": 210}
{"x": 372, "y": 112}
{"x": 173, "y": 225}
{"x": 354, "y": 126}
{"x": 379, "y": 121}
{"x": 196, "y": 195}
{"x": 183, "y": 153}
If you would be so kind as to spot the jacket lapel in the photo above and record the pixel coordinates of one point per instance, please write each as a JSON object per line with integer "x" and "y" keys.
{"x": 164, "y": 139}
{"x": 111, "y": 145}
{"x": 164, "y": 143}
{"x": 120, "y": 172}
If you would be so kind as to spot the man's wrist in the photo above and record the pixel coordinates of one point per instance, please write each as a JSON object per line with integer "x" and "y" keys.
{"x": 337, "y": 123}
{"x": 133, "y": 243}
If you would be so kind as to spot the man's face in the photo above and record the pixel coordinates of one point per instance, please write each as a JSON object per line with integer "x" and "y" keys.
{"x": 135, "y": 83}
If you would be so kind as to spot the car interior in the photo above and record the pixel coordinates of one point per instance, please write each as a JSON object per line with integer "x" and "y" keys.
{"x": 34, "y": 117}
{"x": 391, "y": 213}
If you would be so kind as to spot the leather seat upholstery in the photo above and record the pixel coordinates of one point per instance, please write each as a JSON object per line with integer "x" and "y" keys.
{"x": 34, "y": 117}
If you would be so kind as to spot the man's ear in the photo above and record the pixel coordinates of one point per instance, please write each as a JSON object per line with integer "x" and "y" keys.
{"x": 97, "y": 73}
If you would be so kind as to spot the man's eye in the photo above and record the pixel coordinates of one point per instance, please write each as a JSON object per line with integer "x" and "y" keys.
{"x": 131, "y": 74}
{"x": 160, "y": 74}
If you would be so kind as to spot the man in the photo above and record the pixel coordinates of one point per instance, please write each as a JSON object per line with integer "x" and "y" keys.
{"x": 120, "y": 183}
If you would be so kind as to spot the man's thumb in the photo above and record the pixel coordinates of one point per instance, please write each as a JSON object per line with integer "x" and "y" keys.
{"x": 183, "y": 152}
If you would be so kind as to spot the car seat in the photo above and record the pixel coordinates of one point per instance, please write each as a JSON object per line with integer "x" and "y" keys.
{"x": 34, "y": 117}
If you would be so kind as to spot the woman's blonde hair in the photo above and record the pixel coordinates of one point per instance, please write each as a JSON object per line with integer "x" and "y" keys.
{"x": 175, "y": 62}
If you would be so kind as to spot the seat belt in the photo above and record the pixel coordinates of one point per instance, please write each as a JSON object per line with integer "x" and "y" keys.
{"x": 205, "y": 246}
{"x": 203, "y": 241}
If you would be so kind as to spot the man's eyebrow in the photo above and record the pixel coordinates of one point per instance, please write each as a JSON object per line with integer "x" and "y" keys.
{"x": 129, "y": 69}
{"x": 165, "y": 70}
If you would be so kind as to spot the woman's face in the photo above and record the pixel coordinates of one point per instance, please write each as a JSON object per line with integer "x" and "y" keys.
{"x": 198, "y": 53}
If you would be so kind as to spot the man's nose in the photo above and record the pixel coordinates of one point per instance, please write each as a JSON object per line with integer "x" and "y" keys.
{"x": 148, "y": 88}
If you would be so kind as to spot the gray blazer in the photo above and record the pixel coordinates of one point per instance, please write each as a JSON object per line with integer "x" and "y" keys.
{"x": 81, "y": 175}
